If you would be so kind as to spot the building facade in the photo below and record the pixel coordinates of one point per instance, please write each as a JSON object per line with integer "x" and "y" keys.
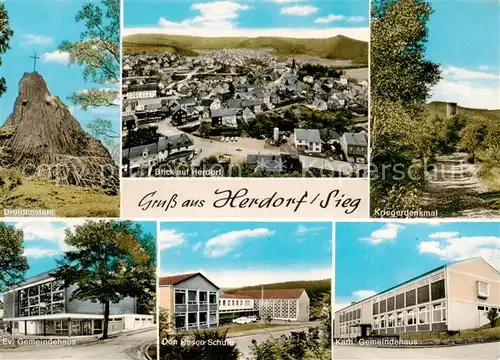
{"x": 283, "y": 304}
{"x": 191, "y": 301}
{"x": 451, "y": 297}
{"x": 42, "y": 305}
{"x": 307, "y": 140}
{"x": 232, "y": 306}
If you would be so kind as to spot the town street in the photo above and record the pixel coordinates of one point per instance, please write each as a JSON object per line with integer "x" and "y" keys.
{"x": 488, "y": 351}
{"x": 120, "y": 348}
{"x": 244, "y": 342}
{"x": 239, "y": 151}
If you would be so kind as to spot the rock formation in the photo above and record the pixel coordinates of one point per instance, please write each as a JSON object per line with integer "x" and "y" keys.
{"x": 43, "y": 140}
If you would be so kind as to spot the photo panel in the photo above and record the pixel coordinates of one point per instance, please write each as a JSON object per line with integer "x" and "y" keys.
{"x": 245, "y": 290}
{"x": 413, "y": 290}
{"x": 78, "y": 289}
{"x": 245, "y": 89}
{"x": 435, "y": 109}
{"x": 59, "y": 108}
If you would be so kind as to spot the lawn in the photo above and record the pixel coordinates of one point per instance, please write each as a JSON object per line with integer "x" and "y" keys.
{"x": 67, "y": 201}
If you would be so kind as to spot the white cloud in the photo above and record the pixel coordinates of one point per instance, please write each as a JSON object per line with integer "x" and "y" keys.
{"x": 303, "y": 229}
{"x": 452, "y": 72}
{"x": 32, "y": 39}
{"x": 356, "y": 19}
{"x": 299, "y": 10}
{"x": 215, "y": 15}
{"x": 328, "y": 19}
{"x": 222, "y": 244}
{"x": 237, "y": 277}
{"x": 363, "y": 294}
{"x": 455, "y": 247}
{"x": 197, "y": 246}
{"x": 358, "y": 33}
{"x": 48, "y": 232}
{"x": 168, "y": 238}
{"x": 60, "y": 57}
{"x": 484, "y": 67}
{"x": 38, "y": 253}
{"x": 469, "y": 88}
{"x": 388, "y": 233}
{"x": 443, "y": 234}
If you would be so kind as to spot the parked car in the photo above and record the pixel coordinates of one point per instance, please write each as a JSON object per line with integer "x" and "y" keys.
{"x": 242, "y": 320}
{"x": 227, "y": 139}
{"x": 222, "y": 139}
{"x": 238, "y": 149}
{"x": 253, "y": 318}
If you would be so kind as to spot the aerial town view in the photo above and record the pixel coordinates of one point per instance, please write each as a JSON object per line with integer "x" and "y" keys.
{"x": 244, "y": 106}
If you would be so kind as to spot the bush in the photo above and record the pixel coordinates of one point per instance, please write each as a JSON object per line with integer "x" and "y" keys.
{"x": 207, "y": 345}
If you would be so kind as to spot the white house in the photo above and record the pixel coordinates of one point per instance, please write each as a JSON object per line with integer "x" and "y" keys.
{"x": 307, "y": 140}
{"x": 215, "y": 105}
{"x": 142, "y": 91}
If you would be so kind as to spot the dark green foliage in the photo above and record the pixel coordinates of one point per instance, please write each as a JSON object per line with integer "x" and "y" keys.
{"x": 13, "y": 265}
{"x": 5, "y": 34}
{"x": 141, "y": 136}
{"x": 492, "y": 316}
{"x": 318, "y": 71}
{"x": 109, "y": 260}
{"x": 207, "y": 345}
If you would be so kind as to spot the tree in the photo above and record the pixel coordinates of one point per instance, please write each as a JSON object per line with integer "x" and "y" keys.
{"x": 492, "y": 316}
{"x": 401, "y": 79}
{"x": 205, "y": 129}
{"x": 5, "y": 34}
{"x": 98, "y": 51}
{"x": 13, "y": 265}
{"x": 108, "y": 261}
{"x": 398, "y": 69}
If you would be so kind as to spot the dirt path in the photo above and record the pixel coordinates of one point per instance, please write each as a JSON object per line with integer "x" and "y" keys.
{"x": 455, "y": 190}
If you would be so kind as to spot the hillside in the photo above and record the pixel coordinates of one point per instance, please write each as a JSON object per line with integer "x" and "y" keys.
{"x": 313, "y": 287}
{"x": 439, "y": 108}
{"x": 338, "y": 47}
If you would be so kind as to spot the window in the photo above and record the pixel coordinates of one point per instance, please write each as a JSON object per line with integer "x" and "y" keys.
{"x": 400, "y": 301}
{"x": 390, "y": 304}
{"x": 375, "y": 308}
{"x": 411, "y": 297}
{"x": 390, "y": 322}
{"x": 383, "y": 306}
{"x": 483, "y": 289}
{"x": 375, "y": 322}
{"x": 438, "y": 313}
{"x": 223, "y": 302}
{"x": 437, "y": 290}
{"x": 410, "y": 317}
{"x": 400, "y": 319}
{"x": 423, "y": 294}
{"x": 423, "y": 315}
{"x": 382, "y": 321}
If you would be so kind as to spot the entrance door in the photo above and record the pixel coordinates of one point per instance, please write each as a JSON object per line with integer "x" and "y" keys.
{"x": 76, "y": 328}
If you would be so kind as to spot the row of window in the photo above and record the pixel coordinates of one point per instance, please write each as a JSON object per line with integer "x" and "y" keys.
{"x": 420, "y": 295}
{"x": 235, "y": 302}
{"x": 428, "y": 314}
{"x": 44, "y": 299}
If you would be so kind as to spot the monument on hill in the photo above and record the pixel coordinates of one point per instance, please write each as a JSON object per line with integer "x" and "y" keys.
{"x": 43, "y": 140}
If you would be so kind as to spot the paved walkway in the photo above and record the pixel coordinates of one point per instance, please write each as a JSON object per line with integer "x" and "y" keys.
{"x": 454, "y": 183}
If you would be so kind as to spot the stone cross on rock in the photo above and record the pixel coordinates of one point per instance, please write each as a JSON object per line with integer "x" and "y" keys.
{"x": 35, "y": 58}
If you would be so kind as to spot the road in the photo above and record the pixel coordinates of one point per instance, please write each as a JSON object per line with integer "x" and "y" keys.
{"x": 120, "y": 348}
{"x": 230, "y": 148}
{"x": 488, "y": 351}
{"x": 243, "y": 342}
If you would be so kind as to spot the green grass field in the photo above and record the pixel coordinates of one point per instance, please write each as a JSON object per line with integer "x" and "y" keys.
{"x": 67, "y": 201}
{"x": 338, "y": 47}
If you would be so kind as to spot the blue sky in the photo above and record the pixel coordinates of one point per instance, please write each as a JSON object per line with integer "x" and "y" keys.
{"x": 374, "y": 256}
{"x": 464, "y": 37}
{"x": 288, "y": 18}
{"x": 40, "y": 26}
{"x": 44, "y": 241}
{"x": 235, "y": 254}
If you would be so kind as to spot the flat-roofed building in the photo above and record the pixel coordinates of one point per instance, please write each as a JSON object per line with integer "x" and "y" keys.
{"x": 456, "y": 296}
{"x": 280, "y": 304}
{"x": 43, "y": 305}
{"x": 232, "y": 306}
{"x": 191, "y": 300}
